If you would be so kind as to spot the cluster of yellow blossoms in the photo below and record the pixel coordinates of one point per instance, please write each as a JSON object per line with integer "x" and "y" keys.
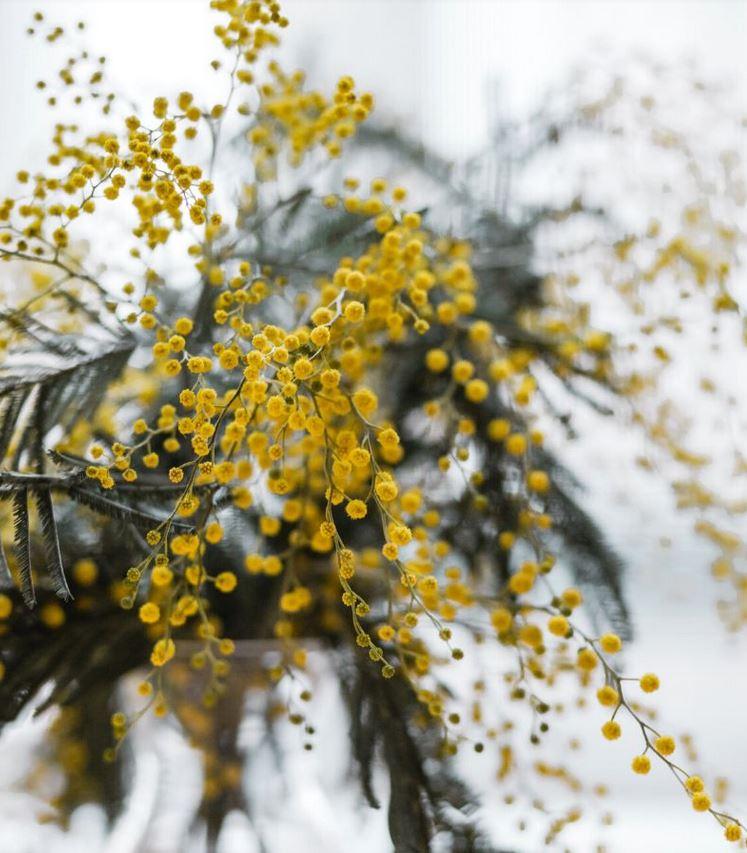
{"x": 676, "y": 279}
{"x": 287, "y": 423}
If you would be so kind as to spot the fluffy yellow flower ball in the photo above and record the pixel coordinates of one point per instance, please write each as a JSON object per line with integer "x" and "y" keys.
{"x": 356, "y": 509}
{"x": 641, "y": 764}
{"x": 149, "y": 613}
{"x": 162, "y": 652}
{"x": 610, "y": 643}
{"x": 611, "y": 730}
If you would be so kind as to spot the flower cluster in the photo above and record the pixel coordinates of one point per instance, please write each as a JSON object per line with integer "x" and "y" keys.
{"x": 286, "y": 417}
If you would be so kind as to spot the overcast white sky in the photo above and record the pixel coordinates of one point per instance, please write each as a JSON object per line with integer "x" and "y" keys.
{"x": 430, "y": 63}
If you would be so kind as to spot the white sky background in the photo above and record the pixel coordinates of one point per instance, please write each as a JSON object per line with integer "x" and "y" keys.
{"x": 430, "y": 63}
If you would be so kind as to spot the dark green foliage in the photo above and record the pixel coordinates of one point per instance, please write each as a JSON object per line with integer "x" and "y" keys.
{"x": 51, "y": 543}
{"x": 94, "y": 649}
{"x": 35, "y": 398}
{"x": 427, "y": 806}
{"x": 22, "y": 541}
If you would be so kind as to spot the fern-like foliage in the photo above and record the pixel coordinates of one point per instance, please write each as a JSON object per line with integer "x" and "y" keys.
{"x": 22, "y": 541}
{"x": 50, "y": 540}
{"x": 51, "y": 386}
{"x": 428, "y": 808}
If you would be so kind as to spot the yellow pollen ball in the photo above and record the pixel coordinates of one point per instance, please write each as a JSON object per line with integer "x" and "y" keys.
{"x": 608, "y": 696}
{"x": 694, "y": 784}
{"x": 150, "y": 460}
{"x": 226, "y": 582}
{"x": 356, "y": 509}
{"x": 303, "y": 368}
{"x": 572, "y": 597}
{"x": 732, "y": 832}
{"x": 641, "y": 764}
{"x": 476, "y": 390}
{"x": 516, "y": 444}
{"x": 85, "y": 572}
{"x": 538, "y": 481}
{"x": 354, "y": 312}
{"x": 436, "y": 360}
{"x": 611, "y": 730}
{"x": 498, "y": 429}
{"x": 558, "y": 625}
{"x": 701, "y": 802}
{"x": 162, "y": 652}
{"x": 649, "y": 682}
{"x": 610, "y": 643}
{"x": 228, "y": 359}
{"x": 149, "y": 613}
{"x": 664, "y": 745}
